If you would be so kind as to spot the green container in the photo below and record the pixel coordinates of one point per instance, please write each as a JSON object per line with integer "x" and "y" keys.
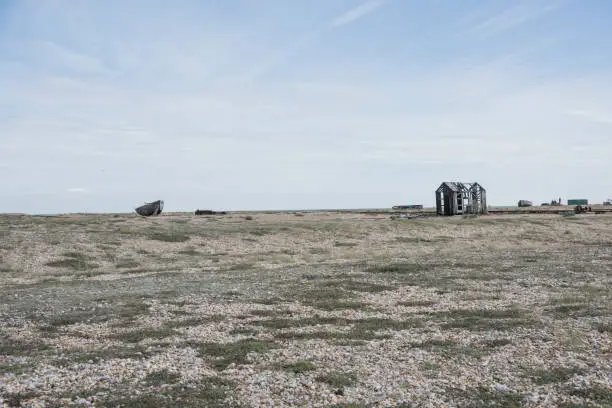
{"x": 578, "y": 201}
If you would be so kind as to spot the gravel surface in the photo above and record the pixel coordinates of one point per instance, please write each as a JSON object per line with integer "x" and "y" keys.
{"x": 308, "y": 310}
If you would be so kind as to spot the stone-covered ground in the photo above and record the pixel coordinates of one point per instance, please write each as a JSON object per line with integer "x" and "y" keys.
{"x": 315, "y": 309}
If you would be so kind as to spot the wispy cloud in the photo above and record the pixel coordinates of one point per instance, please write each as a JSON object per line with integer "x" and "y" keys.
{"x": 356, "y": 13}
{"x": 514, "y": 16}
{"x": 309, "y": 38}
{"x": 77, "y": 190}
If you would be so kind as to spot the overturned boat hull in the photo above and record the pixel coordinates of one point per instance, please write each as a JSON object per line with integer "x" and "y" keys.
{"x": 150, "y": 209}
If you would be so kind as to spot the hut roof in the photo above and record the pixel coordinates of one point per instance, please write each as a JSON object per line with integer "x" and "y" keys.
{"x": 448, "y": 185}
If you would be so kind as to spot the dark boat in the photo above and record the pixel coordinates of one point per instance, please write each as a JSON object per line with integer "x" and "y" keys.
{"x": 150, "y": 209}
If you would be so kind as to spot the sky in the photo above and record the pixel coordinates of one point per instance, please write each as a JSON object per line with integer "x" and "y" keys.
{"x": 275, "y": 104}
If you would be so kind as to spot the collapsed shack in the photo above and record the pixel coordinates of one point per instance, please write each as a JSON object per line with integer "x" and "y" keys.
{"x": 581, "y": 209}
{"x": 455, "y": 198}
{"x": 408, "y": 207}
{"x": 409, "y": 216}
{"x": 209, "y": 212}
{"x": 150, "y": 209}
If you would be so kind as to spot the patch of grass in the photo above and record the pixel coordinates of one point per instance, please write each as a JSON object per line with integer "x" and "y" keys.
{"x": 268, "y": 301}
{"x": 126, "y": 311}
{"x": 129, "y": 309}
{"x": 135, "y": 336}
{"x": 567, "y": 309}
{"x": 591, "y": 291}
{"x": 284, "y": 323}
{"x": 127, "y": 264}
{"x": 484, "y": 398}
{"x": 72, "y": 317}
{"x": 211, "y": 392}
{"x": 374, "y": 324}
{"x": 16, "y": 369}
{"x": 431, "y": 367}
{"x": 553, "y": 375}
{"x": 480, "y": 296}
{"x": 568, "y": 299}
{"x": 73, "y": 260}
{"x": 339, "y": 304}
{"x": 260, "y": 232}
{"x": 18, "y": 347}
{"x": 17, "y": 399}
{"x": 576, "y": 310}
{"x": 486, "y": 276}
{"x": 359, "y": 329}
{"x": 195, "y": 321}
{"x": 74, "y": 254}
{"x": 4, "y": 268}
{"x": 358, "y": 286}
{"x": 604, "y": 327}
{"x": 487, "y": 324}
{"x": 328, "y": 298}
{"x": 484, "y": 313}
{"x": 300, "y": 366}
{"x": 169, "y": 236}
{"x": 248, "y": 331}
{"x": 270, "y": 313}
{"x": 417, "y": 303}
{"x": 598, "y": 394}
{"x": 494, "y": 343}
{"x": 449, "y": 348}
{"x": 243, "y": 266}
{"x": 345, "y": 244}
{"x": 337, "y": 379}
{"x": 179, "y": 312}
{"x": 411, "y": 240}
{"x": 123, "y": 351}
{"x": 398, "y": 268}
{"x": 190, "y": 252}
{"x": 236, "y": 352}
{"x": 161, "y": 377}
{"x": 483, "y": 319}
{"x": 418, "y": 240}
{"x": 342, "y": 336}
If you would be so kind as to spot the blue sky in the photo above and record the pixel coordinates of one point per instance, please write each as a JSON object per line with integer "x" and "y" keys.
{"x": 274, "y": 104}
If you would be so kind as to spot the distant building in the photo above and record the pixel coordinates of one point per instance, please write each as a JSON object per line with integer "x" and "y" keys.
{"x": 455, "y": 198}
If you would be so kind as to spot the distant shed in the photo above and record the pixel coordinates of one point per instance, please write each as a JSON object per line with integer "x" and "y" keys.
{"x": 456, "y": 198}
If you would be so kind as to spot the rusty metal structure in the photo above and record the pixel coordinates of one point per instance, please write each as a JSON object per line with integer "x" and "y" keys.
{"x": 457, "y": 198}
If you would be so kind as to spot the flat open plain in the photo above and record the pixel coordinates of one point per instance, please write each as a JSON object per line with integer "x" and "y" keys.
{"x": 315, "y": 309}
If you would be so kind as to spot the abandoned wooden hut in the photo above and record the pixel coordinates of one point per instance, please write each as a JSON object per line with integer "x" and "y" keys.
{"x": 455, "y": 198}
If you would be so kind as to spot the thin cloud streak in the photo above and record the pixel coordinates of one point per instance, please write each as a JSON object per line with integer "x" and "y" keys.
{"x": 514, "y": 16}
{"x": 356, "y": 13}
{"x": 311, "y": 37}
